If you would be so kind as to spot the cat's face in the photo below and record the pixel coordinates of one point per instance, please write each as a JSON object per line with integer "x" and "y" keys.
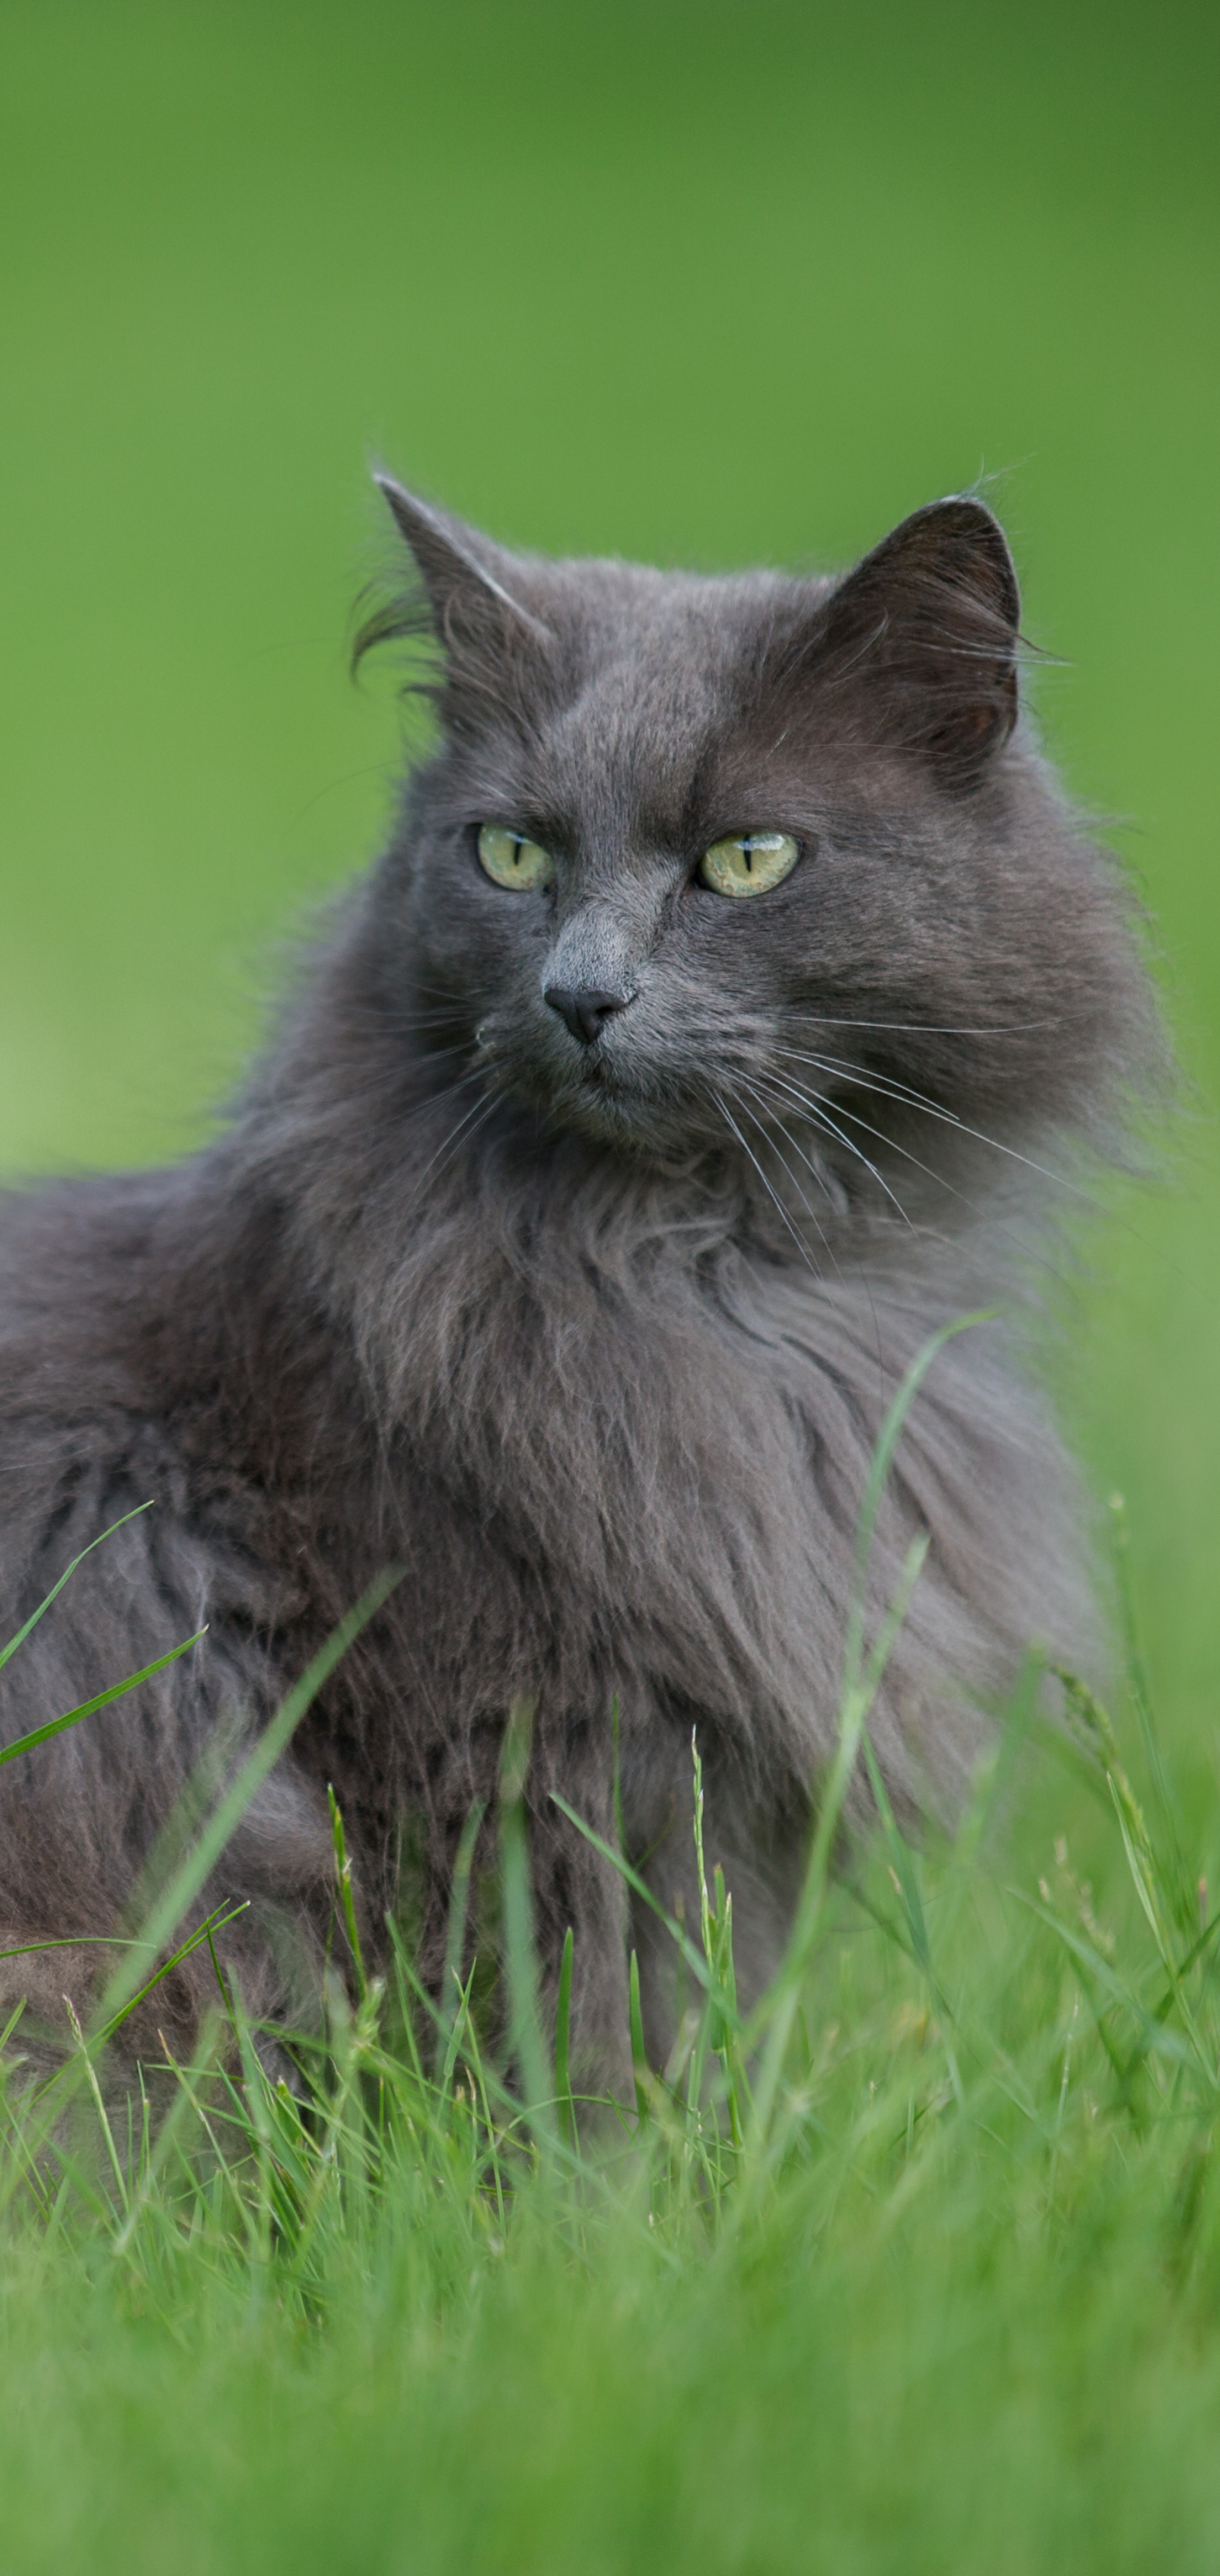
{"x": 700, "y": 858}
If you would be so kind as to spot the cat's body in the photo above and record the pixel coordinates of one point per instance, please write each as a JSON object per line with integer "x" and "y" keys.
{"x": 585, "y": 1313}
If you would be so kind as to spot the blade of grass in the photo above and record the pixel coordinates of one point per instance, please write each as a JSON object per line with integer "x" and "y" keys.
{"x": 694, "y": 1958}
{"x": 65, "y": 1577}
{"x": 98, "y": 2104}
{"x": 274, "y": 1740}
{"x": 129, "y": 1984}
{"x": 524, "y": 2026}
{"x": 639, "y": 2061}
{"x": 1165, "y": 2042}
{"x": 455, "y": 1929}
{"x": 565, "y": 2107}
{"x": 88, "y": 1707}
{"x": 1138, "y": 1684}
{"x": 988, "y": 1787}
{"x": 343, "y": 1879}
{"x": 776, "y": 2010}
{"x": 902, "y": 1865}
{"x": 159, "y": 2152}
{"x": 204, "y": 1934}
{"x": 879, "y": 1467}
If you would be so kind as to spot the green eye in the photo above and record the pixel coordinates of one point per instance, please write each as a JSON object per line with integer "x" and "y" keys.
{"x": 749, "y": 862}
{"x": 510, "y": 860}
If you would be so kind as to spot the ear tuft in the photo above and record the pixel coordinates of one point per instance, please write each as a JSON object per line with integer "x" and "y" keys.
{"x": 927, "y": 628}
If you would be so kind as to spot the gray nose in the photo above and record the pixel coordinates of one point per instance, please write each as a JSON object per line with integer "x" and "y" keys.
{"x": 585, "y": 1012}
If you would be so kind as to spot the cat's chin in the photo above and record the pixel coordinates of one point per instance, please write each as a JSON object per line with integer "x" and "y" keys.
{"x": 608, "y": 1116}
{"x": 599, "y": 1106}
{"x": 620, "y": 1120}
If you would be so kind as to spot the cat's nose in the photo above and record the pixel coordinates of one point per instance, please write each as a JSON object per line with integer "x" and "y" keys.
{"x": 586, "y": 1011}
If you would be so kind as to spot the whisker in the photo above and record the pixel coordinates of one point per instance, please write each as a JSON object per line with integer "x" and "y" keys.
{"x": 758, "y": 1086}
{"x": 928, "y": 1169}
{"x": 439, "y": 1019}
{"x": 480, "y": 1114}
{"x": 742, "y": 1084}
{"x": 928, "y": 1028}
{"x": 442, "y": 993}
{"x": 821, "y": 1117}
{"x": 485, "y": 1101}
{"x": 888, "y": 1087}
{"x": 444, "y": 1091}
{"x": 772, "y": 1194}
{"x": 835, "y": 1265}
{"x": 1003, "y": 1225}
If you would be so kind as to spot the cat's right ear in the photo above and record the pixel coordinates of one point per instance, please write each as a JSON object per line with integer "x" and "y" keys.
{"x": 923, "y": 637}
{"x": 468, "y": 584}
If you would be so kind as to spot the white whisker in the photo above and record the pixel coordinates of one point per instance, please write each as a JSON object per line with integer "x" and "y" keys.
{"x": 835, "y": 1265}
{"x": 743, "y": 1085}
{"x": 927, "y": 1028}
{"x": 820, "y": 1115}
{"x": 888, "y": 1087}
{"x": 1003, "y": 1225}
{"x": 772, "y": 1194}
{"x": 486, "y": 1102}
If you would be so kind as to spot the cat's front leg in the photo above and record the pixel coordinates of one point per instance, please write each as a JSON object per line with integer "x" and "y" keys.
{"x": 573, "y": 1887}
{"x": 576, "y": 1888}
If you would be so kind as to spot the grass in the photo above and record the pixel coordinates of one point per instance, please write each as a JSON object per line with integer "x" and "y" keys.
{"x": 916, "y": 2267}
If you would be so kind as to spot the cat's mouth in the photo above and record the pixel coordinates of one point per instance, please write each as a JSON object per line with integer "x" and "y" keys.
{"x": 598, "y": 1073}
{"x": 600, "y": 1096}
{"x": 595, "y": 1089}
{"x": 598, "y": 1084}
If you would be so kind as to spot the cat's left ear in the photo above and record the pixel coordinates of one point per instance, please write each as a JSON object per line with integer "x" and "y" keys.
{"x": 926, "y": 630}
{"x": 467, "y": 579}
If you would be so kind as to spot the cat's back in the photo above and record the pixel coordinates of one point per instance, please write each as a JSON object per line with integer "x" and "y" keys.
{"x": 75, "y": 1259}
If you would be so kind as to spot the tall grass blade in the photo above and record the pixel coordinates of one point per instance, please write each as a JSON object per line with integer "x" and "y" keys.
{"x": 1183, "y": 1897}
{"x": 776, "y": 2012}
{"x": 187, "y": 1881}
{"x": 89, "y": 1707}
{"x": 343, "y": 1883}
{"x": 694, "y": 1958}
{"x": 65, "y": 1577}
{"x": 879, "y": 1467}
{"x": 524, "y": 2025}
{"x": 639, "y": 2060}
{"x": 565, "y": 2108}
{"x": 455, "y": 1932}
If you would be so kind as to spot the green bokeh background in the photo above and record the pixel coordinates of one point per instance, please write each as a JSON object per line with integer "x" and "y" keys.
{"x": 704, "y": 283}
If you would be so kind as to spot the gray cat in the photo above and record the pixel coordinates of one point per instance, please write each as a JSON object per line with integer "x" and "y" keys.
{"x": 699, "y": 1045}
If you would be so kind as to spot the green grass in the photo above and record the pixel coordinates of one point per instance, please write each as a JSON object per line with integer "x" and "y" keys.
{"x": 711, "y": 284}
{"x": 916, "y": 2266}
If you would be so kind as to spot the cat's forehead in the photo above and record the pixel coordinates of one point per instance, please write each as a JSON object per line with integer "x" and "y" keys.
{"x": 657, "y": 673}
{"x": 688, "y": 632}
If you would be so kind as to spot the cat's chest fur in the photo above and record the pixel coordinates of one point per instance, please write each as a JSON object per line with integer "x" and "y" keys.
{"x": 631, "y": 1449}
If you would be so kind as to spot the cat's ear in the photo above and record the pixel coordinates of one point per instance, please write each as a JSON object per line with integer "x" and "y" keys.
{"x": 468, "y": 581}
{"x": 926, "y": 630}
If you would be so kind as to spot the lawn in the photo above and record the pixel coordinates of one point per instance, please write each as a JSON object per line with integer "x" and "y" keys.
{"x": 710, "y": 286}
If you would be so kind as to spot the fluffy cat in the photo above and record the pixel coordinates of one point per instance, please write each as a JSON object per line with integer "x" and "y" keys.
{"x": 697, "y": 1047}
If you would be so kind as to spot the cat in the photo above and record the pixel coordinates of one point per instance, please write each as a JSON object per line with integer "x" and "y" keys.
{"x": 734, "y": 981}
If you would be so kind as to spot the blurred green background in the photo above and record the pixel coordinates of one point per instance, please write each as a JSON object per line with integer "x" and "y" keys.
{"x": 705, "y": 283}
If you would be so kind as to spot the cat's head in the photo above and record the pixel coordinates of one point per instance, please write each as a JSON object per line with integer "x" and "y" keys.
{"x": 704, "y": 859}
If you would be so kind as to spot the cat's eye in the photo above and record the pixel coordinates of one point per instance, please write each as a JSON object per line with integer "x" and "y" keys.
{"x": 749, "y": 862}
{"x": 510, "y": 860}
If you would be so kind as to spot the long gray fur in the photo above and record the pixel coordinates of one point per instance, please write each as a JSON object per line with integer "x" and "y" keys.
{"x": 594, "y": 1342}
